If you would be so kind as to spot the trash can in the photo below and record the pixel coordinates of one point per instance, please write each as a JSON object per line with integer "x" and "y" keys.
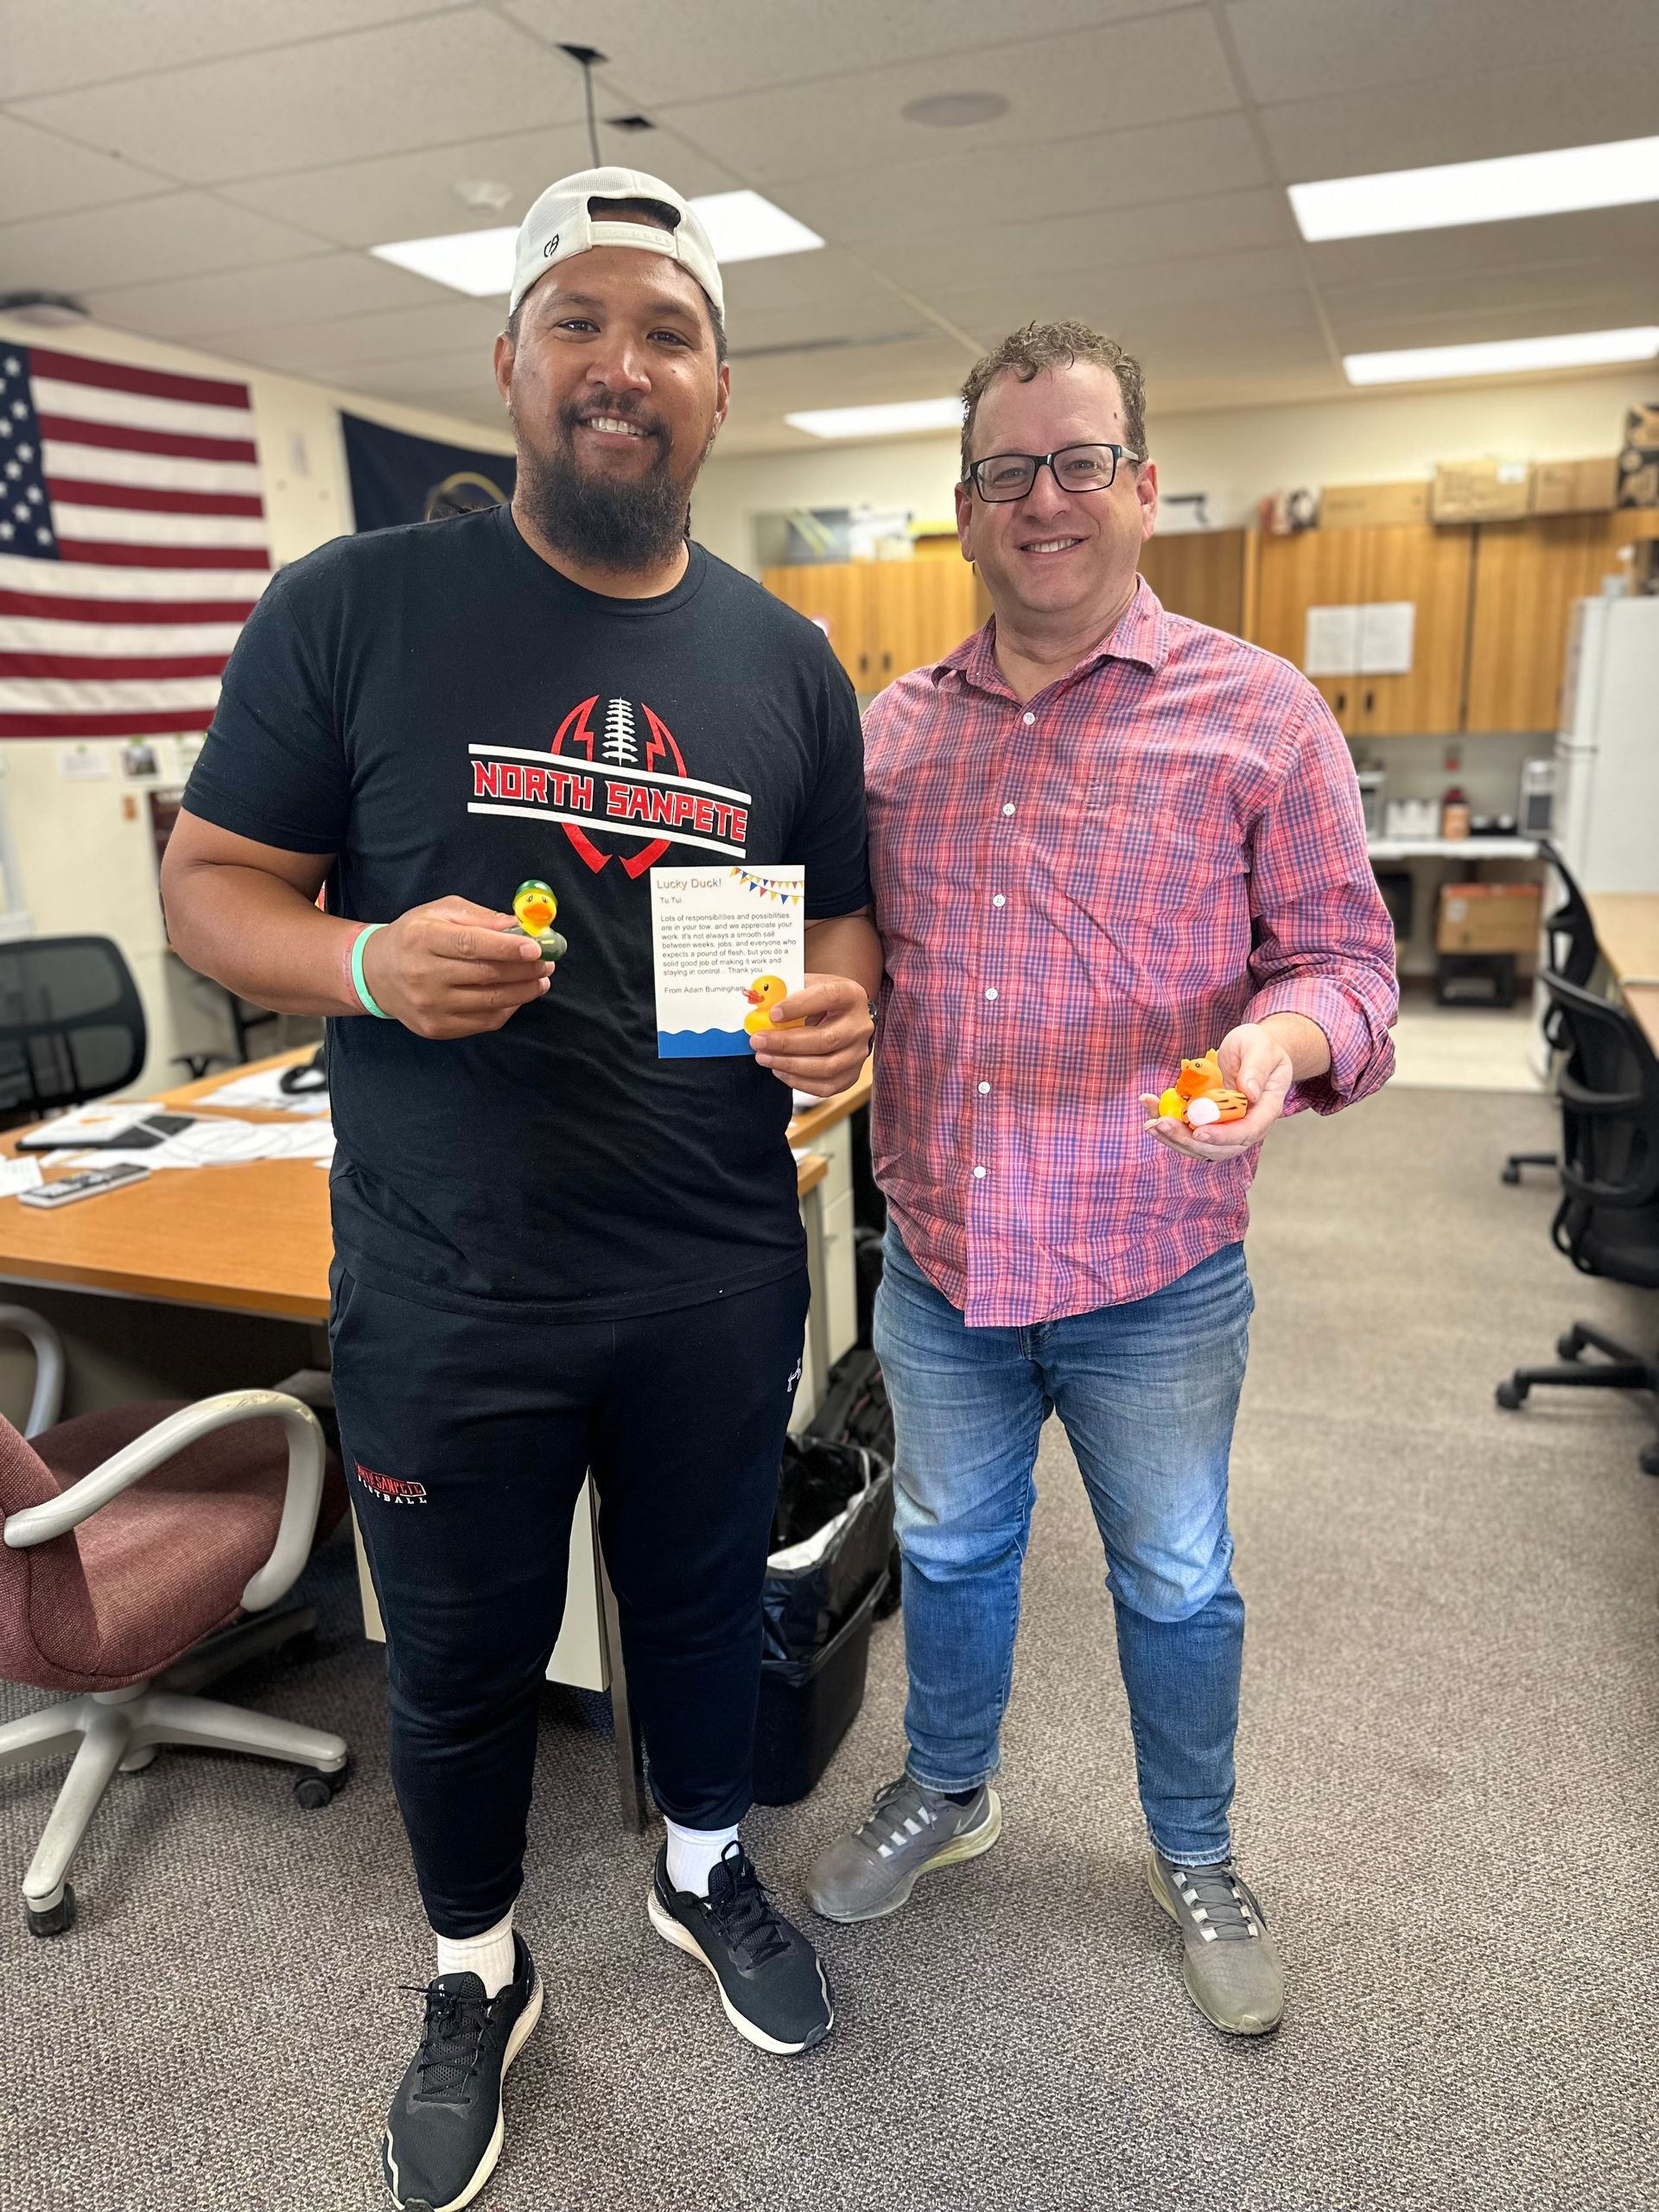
{"x": 832, "y": 1536}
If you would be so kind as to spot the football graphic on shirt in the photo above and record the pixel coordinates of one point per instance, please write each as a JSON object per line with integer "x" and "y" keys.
{"x": 621, "y": 733}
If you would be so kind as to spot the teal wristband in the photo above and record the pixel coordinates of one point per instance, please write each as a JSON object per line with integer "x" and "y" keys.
{"x": 362, "y": 989}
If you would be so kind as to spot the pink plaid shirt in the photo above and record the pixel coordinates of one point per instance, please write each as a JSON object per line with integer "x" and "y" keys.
{"x": 1075, "y": 894}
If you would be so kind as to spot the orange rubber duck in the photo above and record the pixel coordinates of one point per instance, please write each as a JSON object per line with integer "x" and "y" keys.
{"x": 1198, "y": 1095}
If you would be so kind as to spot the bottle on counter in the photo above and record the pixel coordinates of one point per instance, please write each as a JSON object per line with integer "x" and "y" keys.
{"x": 1454, "y": 807}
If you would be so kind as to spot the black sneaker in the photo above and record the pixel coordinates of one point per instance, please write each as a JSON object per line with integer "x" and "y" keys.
{"x": 771, "y": 1986}
{"x": 443, "y": 2133}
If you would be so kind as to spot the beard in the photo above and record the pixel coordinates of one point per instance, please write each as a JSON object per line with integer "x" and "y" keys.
{"x": 607, "y": 521}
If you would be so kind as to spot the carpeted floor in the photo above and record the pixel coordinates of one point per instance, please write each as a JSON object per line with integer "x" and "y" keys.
{"x": 1447, "y": 1765}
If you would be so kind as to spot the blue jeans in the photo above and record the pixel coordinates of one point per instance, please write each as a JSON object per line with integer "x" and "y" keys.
{"x": 1148, "y": 1392}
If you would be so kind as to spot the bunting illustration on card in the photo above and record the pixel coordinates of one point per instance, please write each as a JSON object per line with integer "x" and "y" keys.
{"x": 132, "y": 545}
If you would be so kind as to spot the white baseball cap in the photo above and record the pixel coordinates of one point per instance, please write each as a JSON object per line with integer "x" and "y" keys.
{"x": 561, "y": 223}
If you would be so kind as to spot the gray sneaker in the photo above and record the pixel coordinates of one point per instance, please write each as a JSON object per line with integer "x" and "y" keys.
{"x": 911, "y": 1830}
{"x": 1230, "y": 1965}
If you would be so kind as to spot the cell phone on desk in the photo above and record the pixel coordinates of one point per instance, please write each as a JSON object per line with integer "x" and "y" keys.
{"x": 85, "y": 1184}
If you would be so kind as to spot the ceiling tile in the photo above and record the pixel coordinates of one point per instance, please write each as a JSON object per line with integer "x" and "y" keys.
{"x": 726, "y": 47}
{"x": 1227, "y": 222}
{"x": 413, "y": 195}
{"x": 178, "y": 235}
{"x": 1014, "y": 184}
{"x": 1394, "y": 333}
{"x": 437, "y": 79}
{"x": 257, "y": 298}
{"x": 1300, "y": 49}
{"x": 1611, "y": 239}
{"x": 398, "y": 335}
{"x": 1473, "y": 119}
{"x": 423, "y": 380}
{"x": 1119, "y": 302}
{"x": 87, "y": 41}
{"x": 1162, "y": 67}
{"x": 43, "y": 175}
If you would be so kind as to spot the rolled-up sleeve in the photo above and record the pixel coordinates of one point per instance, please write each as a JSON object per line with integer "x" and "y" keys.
{"x": 1322, "y": 941}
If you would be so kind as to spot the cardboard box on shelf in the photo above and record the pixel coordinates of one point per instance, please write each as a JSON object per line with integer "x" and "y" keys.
{"x": 1488, "y": 918}
{"x": 1369, "y": 506}
{"x": 1481, "y": 491}
{"x": 1575, "y": 487}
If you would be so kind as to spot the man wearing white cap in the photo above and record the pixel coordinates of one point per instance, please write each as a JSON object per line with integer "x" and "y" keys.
{"x": 554, "y": 1250}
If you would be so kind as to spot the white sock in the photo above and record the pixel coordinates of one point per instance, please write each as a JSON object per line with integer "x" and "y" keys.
{"x": 693, "y": 1854}
{"x": 490, "y": 1956}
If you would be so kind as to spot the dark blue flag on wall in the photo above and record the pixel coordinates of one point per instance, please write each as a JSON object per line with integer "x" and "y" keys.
{"x": 397, "y": 478}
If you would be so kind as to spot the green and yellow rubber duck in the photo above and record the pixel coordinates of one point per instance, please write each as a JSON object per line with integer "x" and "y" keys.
{"x": 535, "y": 907}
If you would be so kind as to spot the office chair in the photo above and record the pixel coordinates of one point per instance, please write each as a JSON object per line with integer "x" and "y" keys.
{"x": 145, "y": 1548}
{"x": 71, "y": 1025}
{"x": 1571, "y": 936}
{"x": 1607, "y": 1223}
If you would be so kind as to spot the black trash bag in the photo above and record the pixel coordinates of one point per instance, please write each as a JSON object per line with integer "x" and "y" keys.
{"x": 809, "y": 1597}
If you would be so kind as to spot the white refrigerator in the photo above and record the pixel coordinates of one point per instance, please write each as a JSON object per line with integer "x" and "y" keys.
{"x": 1606, "y": 814}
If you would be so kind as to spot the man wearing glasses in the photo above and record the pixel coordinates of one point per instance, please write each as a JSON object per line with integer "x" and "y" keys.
{"x": 1103, "y": 838}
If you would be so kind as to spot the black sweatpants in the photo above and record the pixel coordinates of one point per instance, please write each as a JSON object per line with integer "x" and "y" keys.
{"x": 466, "y": 1438}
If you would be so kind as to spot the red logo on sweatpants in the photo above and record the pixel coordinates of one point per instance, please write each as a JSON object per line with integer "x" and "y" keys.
{"x": 389, "y": 1487}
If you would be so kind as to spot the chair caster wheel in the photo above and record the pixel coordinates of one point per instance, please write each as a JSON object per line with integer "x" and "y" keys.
{"x": 1648, "y": 1460}
{"x": 1571, "y": 1346}
{"x": 57, "y": 1919}
{"x": 1510, "y": 1175}
{"x": 313, "y": 1789}
{"x": 1509, "y": 1397}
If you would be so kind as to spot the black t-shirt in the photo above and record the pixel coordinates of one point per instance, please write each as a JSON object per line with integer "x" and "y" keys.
{"x": 446, "y": 714}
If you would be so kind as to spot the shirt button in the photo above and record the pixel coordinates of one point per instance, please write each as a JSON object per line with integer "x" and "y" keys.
{"x": 979, "y": 1174}
{"x": 1009, "y": 807}
{"x": 1030, "y": 719}
{"x": 984, "y": 1086}
{"x": 999, "y": 901}
{"x": 991, "y": 994}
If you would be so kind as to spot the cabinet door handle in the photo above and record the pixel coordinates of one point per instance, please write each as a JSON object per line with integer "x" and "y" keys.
{"x": 1370, "y": 701}
{"x": 1342, "y": 702}
{"x": 863, "y": 664}
{"x": 886, "y": 663}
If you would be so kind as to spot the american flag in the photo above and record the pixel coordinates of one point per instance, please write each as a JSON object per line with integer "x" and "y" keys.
{"x": 132, "y": 545}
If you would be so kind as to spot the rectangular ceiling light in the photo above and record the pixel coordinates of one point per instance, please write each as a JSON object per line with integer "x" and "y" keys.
{"x": 1583, "y": 349}
{"x": 479, "y": 263}
{"x": 741, "y": 226}
{"x": 899, "y": 415}
{"x": 1617, "y": 175}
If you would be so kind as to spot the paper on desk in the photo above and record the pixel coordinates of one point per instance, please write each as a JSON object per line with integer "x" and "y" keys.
{"x": 265, "y": 1091}
{"x": 18, "y": 1175}
{"x": 220, "y": 1143}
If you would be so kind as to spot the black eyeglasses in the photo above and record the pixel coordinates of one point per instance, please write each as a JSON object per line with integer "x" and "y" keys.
{"x": 1002, "y": 476}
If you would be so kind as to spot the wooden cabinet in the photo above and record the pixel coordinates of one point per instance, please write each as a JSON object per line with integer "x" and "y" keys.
{"x": 1432, "y": 565}
{"x": 883, "y": 618}
{"x": 1313, "y": 568}
{"x": 1428, "y": 565}
{"x": 833, "y": 595}
{"x": 1526, "y": 576}
{"x": 1203, "y": 574}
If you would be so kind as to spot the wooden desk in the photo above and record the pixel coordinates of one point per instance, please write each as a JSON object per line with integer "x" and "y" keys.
{"x": 814, "y": 1122}
{"x": 255, "y": 1237}
{"x": 1627, "y": 930}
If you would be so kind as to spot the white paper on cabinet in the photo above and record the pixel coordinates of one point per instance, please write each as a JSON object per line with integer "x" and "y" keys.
{"x": 1388, "y": 630}
{"x": 1332, "y": 647}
